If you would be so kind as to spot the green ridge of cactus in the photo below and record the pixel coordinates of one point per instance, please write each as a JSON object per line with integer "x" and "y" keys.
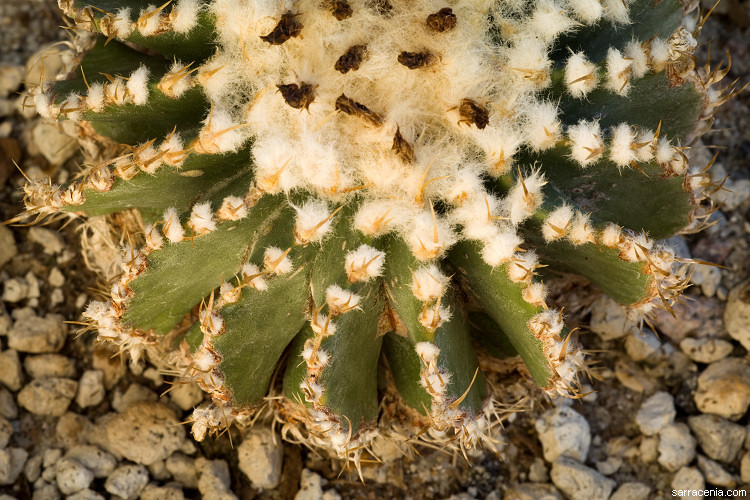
{"x": 330, "y": 187}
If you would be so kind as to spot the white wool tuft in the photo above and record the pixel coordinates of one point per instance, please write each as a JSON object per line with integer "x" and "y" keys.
{"x": 276, "y": 260}
{"x": 547, "y": 324}
{"x": 611, "y": 234}
{"x": 148, "y": 158}
{"x": 138, "y": 85}
{"x": 635, "y": 248}
{"x": 220, "y": 134}
{"x": 659, "y": 54}
{"x": 580, "y": 75}
{"x": 639, "y": 60}
{"x": 581, "y": 230}
{"x": 253, "y": 276}
{"x": 557, "y": 224}
{"x": 616, "y": 11}
{"x": 499, "y": 143}
{"x": 95, "y": 97}
{"x": 427, "y": 351}
{"x": 364, "y": 263}
{"x": 148, "y": 21}
{"x": 433, "y": 318}
{"x": 173, "y": 146}
{"x": 477, "y": 216}
{"x": 618, "y": 72}
{"x": 621, "y": 150}
{"x": 73, "y": 101}
{"x": 535, "y": 294}
{"x": 272, "y": 157}
{"x": 525, "y": 197}
{"x": 521, "y": 267}
{"x": 232, "y": 208}
{"x": 322, "y": 325}
{"x": 154, "y": 240}
{"x": 313, "y": 222}
{"x": 375, "y": 217}
{"x": 664, "y": 152}
{"x": 549, "y": 20}
{"x": 528, "y": 63}
{"x": 122, "y": 25}
{"x": 229, "y": 293}
{"x": 428, "y": 235}
{"x": 201, "y": 219}
{"x": 587, "y": 145}
{"x": 184, "y": 15}
{"x": 172, "y": 227}
{"x": 341, "y": 301}
{"x": 500, "y": 248}
{"x": 466, "y": 184}
{"x": 176, "y": 81}
{"x": 43, "y": 104}
{"x": 645, "y": 146}
{"x": 588, "y": 11}
{"x": 428, "y": 283}
{"x": 542, "y": 127}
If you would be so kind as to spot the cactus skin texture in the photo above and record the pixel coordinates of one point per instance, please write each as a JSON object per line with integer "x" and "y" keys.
{"x": 330, "y": 188}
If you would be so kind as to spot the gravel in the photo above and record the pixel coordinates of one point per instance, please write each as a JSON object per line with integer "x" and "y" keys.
{"x": 719, "y": 438}
{"x": 656, "y": 413}
{"x": 576, "y": 480}
{"x": 127, "y": 481}
{"x": 260, "y": 457}
{"x": 564, "y": 432}
{"x": 676, "y": 446}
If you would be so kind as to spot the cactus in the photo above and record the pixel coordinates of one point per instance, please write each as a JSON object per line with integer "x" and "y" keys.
{"x": 331, "y": 188}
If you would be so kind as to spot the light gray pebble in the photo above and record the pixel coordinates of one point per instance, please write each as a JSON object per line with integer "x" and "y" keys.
{"x": 707, "y": 277}
{"x": 51, "y": 456}
{"x": 72, "y": 476}
{"x": 334, "y": 495}
{"x": 12, "y": 461}
{"x": 745, "y": 468}
{"x": 719, "y": 438}
{"x": 54, "y": 144}
{"x": 73, "y": 429}
{"x": 538, "y": 472}
{"x": 686, "y": 480}
{"x": 33, "y": 468}
{"x": 158, "y": 471}
{"x": 8, "y": 248}
{"x": 564, "y": 432}
{"x": 127, "y": 481}
{"x": 182, "y": 469}
{"x": 11, "y": 76}
{"x": 56, "y": 278}
{"x": 48, "y": 396}
{"x": 715, "y": 473}
{"x": 51, "y": 241}
{"x": 576, "y": 480}
{"x": 676, "y": 446}
{"x": 706, "y": 350}
{"x": 11, "y": 374}
{"x": 90, "y": 388}
{"x": 154, "y": 492}
{"x": 310, "y": 486}
{"x": 145, "y": 432}
{"x": 649, "y": 449}
{"x": 86, "y": 494}
{"x": 49, "y": 365}
{"x": 15, "y": 290}
{"x": 98, "y": 461}
{"x": 642, "y": 344}
{"x": 214, "y": 480}
{"x": 31, "y": 279}
{"x": 44, "y": 490}
{"x": 6, "y": 431}
{"x": 737, "y": 314}
{"x": 8, "y": 408}
{"x": 529, "y": 491}
{"x": 38, "y": 335}
{"x": 609, "y": 466}
{"x": 56, "y": 297}
{"x": 260, "y": 455}
{"x": 186, "y": 396}
{"x": 656, "y": 412}
{"x": 724, "y": 389}
{"x": 631, "y": 491}
{"x": 133, "y": 394}
{"x": 609, "y": 319}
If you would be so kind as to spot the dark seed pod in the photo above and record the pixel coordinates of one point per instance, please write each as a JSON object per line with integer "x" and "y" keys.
{"x": 415, "y": 60}
{"x": 351, "y": 59}
{"x": 473, "y": 114}
{"x": 403, "y": 149}
{"x": 339, "y": 8}
{"x": 442, "y": 20}
{"x": 288, "y": 27}
{"x": 353, "y": 108}
{"x": 297, "y": 96}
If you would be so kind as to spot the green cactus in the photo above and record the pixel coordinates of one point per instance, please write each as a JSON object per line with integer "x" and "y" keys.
{"x": 332, "y": 186}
